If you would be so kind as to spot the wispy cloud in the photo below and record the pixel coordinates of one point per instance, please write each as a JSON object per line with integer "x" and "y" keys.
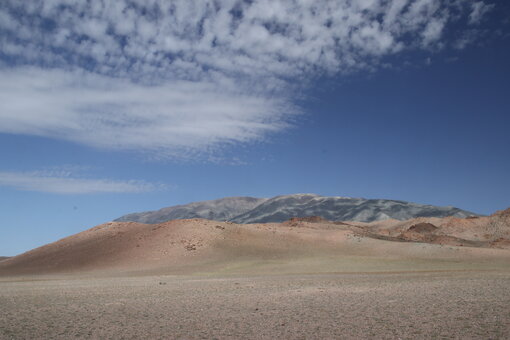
{"x": 171, "y": 119}
{"x": 480, "y": 9}
{"x": 185, "y": 77}
{"x": 64, "y": 183}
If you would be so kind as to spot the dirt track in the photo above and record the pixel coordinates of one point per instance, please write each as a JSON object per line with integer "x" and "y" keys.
{"x": 454, "y": 305}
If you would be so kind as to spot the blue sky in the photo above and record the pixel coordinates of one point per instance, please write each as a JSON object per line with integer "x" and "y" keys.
{"x": 133, "y": 106}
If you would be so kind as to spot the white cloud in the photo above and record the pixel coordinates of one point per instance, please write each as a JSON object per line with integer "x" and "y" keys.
{"x": 258, "y": 38}
{"x": 171, "y": 119}
{"x": 479, "y": 10}
{"x": 186, "y": 77}
{"x": 433, "y": 31}
{"x": 63, "y": 183}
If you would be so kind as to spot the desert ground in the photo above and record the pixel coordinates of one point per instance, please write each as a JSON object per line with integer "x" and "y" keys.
{"x": 305, "y": 278}
{"x": 406, "y": 305}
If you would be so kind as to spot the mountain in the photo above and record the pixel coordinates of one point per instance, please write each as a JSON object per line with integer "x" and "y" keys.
{"x": 281, "y": 208}
{"x": 218, "y": 210}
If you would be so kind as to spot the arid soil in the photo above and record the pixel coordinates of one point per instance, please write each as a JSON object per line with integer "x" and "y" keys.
{"x": 489, "y": 232}
{"x": 296, "y": 246}
{"x": 306, "y": 278}
{"x": 436, "y": 305}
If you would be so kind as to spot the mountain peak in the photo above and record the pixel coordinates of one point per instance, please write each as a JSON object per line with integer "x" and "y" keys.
{"x": 281, "y": 208}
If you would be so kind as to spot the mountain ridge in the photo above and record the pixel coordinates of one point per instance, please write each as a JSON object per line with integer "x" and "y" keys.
{"x": 280, "y": 208}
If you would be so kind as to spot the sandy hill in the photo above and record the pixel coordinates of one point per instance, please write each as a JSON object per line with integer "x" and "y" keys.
{"x": 281, "y": 208}
{"x": 487, "y": 231}
{"x": 310, "y": 244}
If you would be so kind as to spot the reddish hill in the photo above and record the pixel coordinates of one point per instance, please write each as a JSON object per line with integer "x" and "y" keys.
{"x": 178, "y": 245}
{"x": 489, "y": 231}
{"x": 312, "y": 244}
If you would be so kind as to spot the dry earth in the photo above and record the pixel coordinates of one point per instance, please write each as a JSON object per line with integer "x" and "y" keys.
{"x": 298, "y": 245}
{"x": 454, "y": 305}
{"x": 303, "y": 279}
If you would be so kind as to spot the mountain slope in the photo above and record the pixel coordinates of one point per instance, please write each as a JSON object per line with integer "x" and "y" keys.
{"x": 300, "y": 245}
{"x": 219, "y": 210}
{"x": 281, "y": 208}
{"x": 487, "y": 231}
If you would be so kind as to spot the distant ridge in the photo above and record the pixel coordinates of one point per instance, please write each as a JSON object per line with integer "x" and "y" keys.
{"x": 218, "y": 210}
{"x": 281, "y": 208}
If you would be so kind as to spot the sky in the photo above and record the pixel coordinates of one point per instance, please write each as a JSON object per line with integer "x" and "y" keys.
{"x": 114, "y": 107}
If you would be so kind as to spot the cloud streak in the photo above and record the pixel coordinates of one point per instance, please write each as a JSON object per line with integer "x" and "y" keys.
{"x": 64, "y": 184}
{"x": 180, "y": 78}
{"x": 111, "y": 113}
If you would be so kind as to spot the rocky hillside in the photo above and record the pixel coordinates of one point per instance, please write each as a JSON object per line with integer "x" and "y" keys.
{"x": 200, "y": 245}
{"x": 223, "y": 209}
{"x": 281, "y": 208}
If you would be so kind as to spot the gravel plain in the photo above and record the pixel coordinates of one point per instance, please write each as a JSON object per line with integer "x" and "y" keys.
{"x": 405, "y": 305}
